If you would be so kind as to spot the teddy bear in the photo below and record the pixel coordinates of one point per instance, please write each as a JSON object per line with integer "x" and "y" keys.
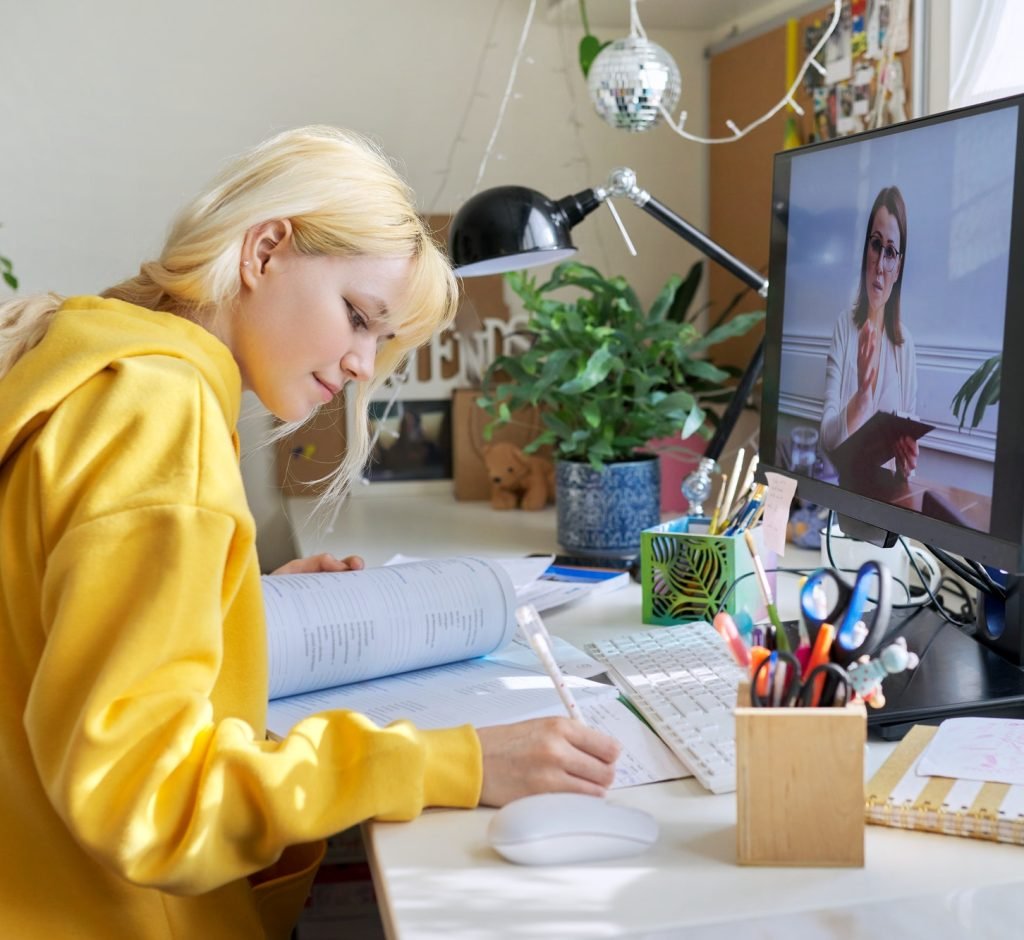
{"x": 518, "y": 479}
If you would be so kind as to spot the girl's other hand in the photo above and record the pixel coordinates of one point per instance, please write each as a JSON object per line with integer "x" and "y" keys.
{"x": 325, "y": 561}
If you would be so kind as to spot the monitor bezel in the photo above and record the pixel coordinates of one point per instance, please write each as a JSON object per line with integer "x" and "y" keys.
{"x": 1003, "y": 546}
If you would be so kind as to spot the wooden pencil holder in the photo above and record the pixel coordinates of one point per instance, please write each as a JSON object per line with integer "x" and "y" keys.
{"x": 799, "y": 785}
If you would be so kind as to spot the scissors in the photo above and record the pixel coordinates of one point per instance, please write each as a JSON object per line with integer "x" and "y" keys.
{"x": 825, "y": 685}
{"x": 859, "y": 628}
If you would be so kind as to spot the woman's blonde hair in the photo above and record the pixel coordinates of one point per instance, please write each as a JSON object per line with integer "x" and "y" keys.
{"x": 342, "y": 196}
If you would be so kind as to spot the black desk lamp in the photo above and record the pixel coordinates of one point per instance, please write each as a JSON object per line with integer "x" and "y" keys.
{"x": 509, "y": 228}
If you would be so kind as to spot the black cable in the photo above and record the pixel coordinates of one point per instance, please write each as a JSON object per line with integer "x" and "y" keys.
{"x": 803, "y": 572}
{"x": 962, "y": 571}
{"x": 832, "y": 562}
{"x": 966, "y": 613}
{"x": 995, "y": 587}
{"x": 936, "y": 603}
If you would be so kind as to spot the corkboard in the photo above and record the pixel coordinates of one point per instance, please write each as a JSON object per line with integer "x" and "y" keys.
{"x": 745, "y": 81}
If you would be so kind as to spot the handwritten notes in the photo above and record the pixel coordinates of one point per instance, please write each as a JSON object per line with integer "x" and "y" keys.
{"x": 989, "y": 749}
{"x": 781, "y": 491}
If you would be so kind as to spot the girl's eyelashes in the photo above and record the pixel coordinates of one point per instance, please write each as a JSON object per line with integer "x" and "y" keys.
{"x": 357, "y": 319}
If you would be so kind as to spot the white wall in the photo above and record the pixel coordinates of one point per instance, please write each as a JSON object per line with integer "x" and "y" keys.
{"x": 116, "y": 112}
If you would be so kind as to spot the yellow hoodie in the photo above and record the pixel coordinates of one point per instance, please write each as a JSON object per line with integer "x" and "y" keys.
{"x": 136, "y": 786}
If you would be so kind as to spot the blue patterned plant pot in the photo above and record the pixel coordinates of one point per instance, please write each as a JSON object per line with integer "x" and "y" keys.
{"x": 603, "y": 512}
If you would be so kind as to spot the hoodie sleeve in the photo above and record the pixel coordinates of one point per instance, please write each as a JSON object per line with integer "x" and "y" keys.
{"x": 120, "y": 716}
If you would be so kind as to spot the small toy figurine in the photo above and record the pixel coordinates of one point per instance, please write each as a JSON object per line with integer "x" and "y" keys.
{"x": 518, "y": 480}
{"x": 866, "y": 675}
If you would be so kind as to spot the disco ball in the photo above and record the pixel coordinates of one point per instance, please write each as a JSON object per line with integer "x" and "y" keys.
{"x": 629, "y": 80}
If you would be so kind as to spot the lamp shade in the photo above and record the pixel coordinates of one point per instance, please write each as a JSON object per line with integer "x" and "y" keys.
{"x": 508, "y": 228}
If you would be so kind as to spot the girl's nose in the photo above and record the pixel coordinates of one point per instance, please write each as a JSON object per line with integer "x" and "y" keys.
{"x": 358, "y": 362}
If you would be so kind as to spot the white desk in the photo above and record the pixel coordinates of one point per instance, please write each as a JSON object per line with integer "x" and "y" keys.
{"x": 437, "y": 878}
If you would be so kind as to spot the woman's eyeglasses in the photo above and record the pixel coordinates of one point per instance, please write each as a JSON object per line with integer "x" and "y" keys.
{"x": 889, "y": 254}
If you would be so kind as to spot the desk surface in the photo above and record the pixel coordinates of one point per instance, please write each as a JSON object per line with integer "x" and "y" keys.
{"x": 436, "y": 877}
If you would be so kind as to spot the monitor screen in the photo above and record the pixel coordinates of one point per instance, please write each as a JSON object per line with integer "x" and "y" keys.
{"x": 897, "y": 288}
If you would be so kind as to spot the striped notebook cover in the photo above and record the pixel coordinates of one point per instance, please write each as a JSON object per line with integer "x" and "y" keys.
{"x": 897, "y": 796}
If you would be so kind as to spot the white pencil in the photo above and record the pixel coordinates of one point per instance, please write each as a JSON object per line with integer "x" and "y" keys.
{"x": 745, "y": 488}
{"x": 734, "y": 479}
{"x": 537, "y": 634}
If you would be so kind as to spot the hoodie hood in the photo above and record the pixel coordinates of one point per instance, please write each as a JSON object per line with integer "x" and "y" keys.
{"x": 86, "y": 336}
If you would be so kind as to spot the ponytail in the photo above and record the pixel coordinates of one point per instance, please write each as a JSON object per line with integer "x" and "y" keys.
{"x": 23, "y": 323}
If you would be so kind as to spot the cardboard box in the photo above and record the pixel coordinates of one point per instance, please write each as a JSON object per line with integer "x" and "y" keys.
{"x": 468, "y": 423}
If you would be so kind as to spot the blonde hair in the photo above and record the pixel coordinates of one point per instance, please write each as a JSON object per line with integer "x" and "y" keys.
{"x": 342, "y": 197}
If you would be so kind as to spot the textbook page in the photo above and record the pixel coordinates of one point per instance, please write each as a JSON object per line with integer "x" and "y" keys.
{"x": 331, "y": 629}
{"x": 482, "y": 692}
{"x": 476, "y": 691}
{"x": 644, "y": 757}
{"x": 546, "y": 585}
{"x": 570, "y": 660}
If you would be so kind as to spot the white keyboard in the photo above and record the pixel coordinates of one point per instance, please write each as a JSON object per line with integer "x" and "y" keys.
{"x": 683, "y": 681}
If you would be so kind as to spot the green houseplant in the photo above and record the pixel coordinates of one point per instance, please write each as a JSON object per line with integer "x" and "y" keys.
{"x": 608, "y": 376}
{"x": 984, "y": 383}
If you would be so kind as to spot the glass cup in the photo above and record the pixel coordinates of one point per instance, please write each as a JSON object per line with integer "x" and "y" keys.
{"x": 803, "y": 450}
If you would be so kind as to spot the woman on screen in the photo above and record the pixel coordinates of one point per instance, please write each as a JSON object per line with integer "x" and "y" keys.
{"x": 871, "y": 364}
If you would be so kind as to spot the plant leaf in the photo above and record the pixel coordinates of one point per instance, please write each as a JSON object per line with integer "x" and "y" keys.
{"x": 665, "y": 299}
{"x": 703, "y": 369}
{"x": 969, "y": 389}
{"x": 737, "y": 326}
{"x": 989, "y": 396}
{"x": 590, "y": 46}
{"x": 592, "y": 413}
{"x": 597, "y": 368}
{"x": 693, "y": 422}
{"x": 685, "y": 294}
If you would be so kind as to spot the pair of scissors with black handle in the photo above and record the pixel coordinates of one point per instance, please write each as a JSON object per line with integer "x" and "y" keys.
{"x": 860, "y": 629}
{"x": 825, "y": 685}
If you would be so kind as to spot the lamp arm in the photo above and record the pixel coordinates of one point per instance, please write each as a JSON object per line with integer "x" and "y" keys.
{"x": 704, "y": 244}
{"x": 622, "y": 182}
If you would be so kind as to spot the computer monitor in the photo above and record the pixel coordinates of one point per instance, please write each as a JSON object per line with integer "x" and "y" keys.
{"x": 897, "y": 292}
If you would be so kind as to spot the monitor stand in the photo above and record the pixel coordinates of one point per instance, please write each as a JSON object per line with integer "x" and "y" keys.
{"x": 957, "y": 676}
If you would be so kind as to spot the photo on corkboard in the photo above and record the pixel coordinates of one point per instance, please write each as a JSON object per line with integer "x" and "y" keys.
{"x": 414, "y": 441}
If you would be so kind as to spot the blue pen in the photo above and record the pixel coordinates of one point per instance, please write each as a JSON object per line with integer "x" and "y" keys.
{"x": 744, "y": 516}
{"x": 742, "y": 519}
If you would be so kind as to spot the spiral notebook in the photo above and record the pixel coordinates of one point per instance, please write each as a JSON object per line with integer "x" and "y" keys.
{"x": 898, "y": 796}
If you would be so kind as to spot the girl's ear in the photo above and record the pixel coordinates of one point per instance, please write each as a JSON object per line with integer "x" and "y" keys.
{"x": 260, "y": 244}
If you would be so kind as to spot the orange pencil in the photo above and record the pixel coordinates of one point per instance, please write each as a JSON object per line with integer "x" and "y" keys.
{"x": 758, "y": 654}
{"x": 819, "y": 656}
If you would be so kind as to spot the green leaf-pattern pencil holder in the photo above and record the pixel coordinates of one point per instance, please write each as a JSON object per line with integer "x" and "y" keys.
{"x": 686, "y": 576}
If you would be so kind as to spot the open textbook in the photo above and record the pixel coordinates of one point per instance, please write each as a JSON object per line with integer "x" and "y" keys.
{"x": 412, "y": 641}
{"x": 549, "y": 581}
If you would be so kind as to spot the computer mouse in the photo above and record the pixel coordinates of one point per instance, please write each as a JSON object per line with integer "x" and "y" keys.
{"x": 566, "y": 828}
